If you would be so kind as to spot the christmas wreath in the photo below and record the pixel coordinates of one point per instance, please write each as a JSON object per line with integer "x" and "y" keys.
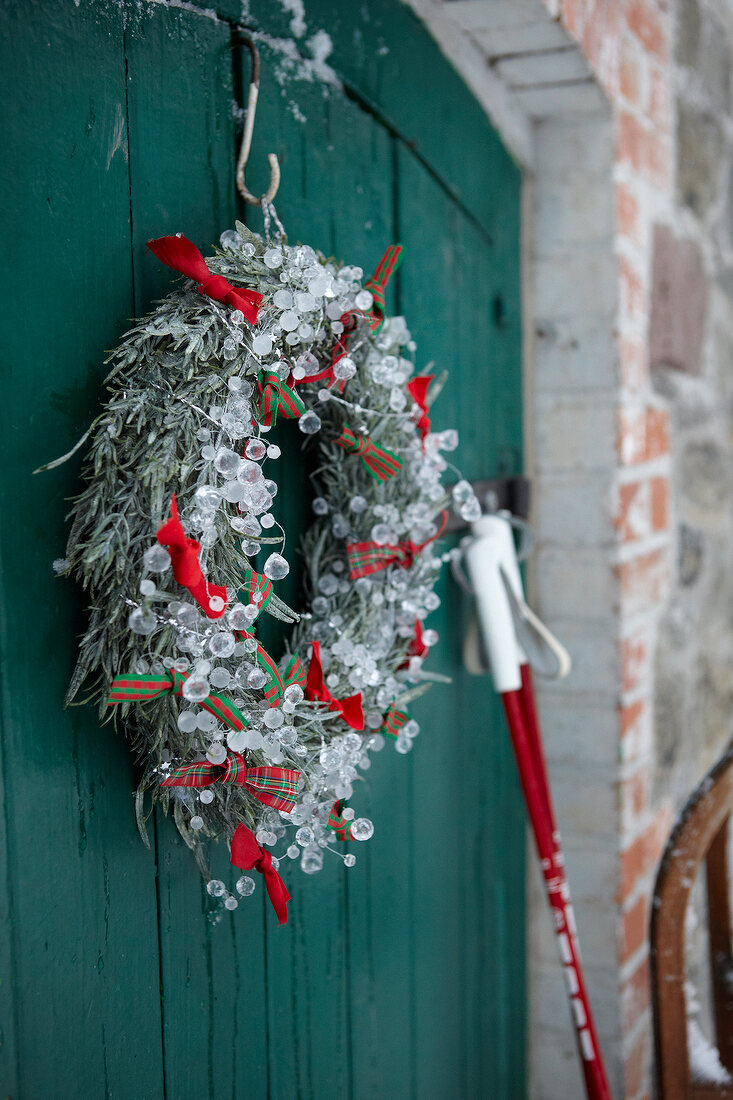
{"x": 176, "y": 541}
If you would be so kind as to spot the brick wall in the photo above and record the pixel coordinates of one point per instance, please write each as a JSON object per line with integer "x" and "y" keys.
{"x": 621, "y": 112}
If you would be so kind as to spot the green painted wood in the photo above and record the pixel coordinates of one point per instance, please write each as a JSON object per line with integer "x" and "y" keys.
{"x": 405, "y": 975}
{"x": 82, "y": 933}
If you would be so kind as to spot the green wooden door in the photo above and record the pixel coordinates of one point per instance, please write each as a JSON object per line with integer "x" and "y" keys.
{"x": 405, "y": 975}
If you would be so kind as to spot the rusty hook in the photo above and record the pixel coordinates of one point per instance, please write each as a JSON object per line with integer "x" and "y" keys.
{"x": 249, "y": 124}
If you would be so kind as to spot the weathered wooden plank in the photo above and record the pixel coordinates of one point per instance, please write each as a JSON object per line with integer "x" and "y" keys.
{"x": 181, "y": 149}
{"x": 84, "y": 977}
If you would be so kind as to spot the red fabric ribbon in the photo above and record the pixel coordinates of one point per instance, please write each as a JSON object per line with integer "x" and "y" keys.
{"x": 315, "y": 689}
{"x": 418, "y": 390}
{"x": 417, "y": 647}
{"x": 182, "y": 255}
{"x": 248, "y": 856}
{"x": 184, "y": 554}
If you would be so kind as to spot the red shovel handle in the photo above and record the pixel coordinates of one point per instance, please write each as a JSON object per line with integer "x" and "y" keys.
{"x": 521, "y": 718}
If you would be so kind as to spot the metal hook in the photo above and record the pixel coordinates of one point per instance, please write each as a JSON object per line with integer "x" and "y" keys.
{"x": 249, "y": 125}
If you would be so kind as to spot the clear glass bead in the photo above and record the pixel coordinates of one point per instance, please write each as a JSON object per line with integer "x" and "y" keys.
{"x": 245, "y": 886}
{"x": 320, "y": 506}
{"x": 187, "y": 721}
{"x": 273, "y": 451}
{"x": 142, "y": 622}
{"x": 309, "y": 423}
{"x": 196, "y": 689}
{"x": 273, "y": 258}
{"x": 231, "y": 903}
{"x": 147, "y": 587}
{"x": 255, "y": 449}
{"x": 156, "y": 558}
{"x": 262, "y": 344}
{"x": 362, "y": 828}
{"x": 294, "y": 693}
{"x": 196, "y": 822}
{"x": 273, "y": 718}
{"x": 216, "y": 754}
{"x": 216, "y": 888}
{"x": 349, "y": 860}
{"x": 304, "y": 836}
{"x": 222, "y": 643}
{"x": 227, "y": 462}
{"x": 257, "y": 678}
{"x": 276, "y": 567}
{"x": 206, "y": 796}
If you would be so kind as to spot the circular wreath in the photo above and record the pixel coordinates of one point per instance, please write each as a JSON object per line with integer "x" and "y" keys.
{"x": 175, "y": 538}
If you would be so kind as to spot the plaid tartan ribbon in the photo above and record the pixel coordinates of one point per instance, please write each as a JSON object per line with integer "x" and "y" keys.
{"x": 338, "y": 822}
{"x": 380, "y": 463}
{"x": 248, "y": 856}
{"x": 126, "y": 689}
{"x": 418, "y": 390}
{"x": 277, "y": 397}
{"x": 184, "y": 554}
{"x": 316, "y": 691}
{"x": 369, "y": 557}
{"x": 394, "y": 720}
{"x": 377, "y": 285}
{"x": 276, "y": 787}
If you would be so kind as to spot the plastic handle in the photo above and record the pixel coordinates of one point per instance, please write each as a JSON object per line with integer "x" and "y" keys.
{"x": 488, "y": 553}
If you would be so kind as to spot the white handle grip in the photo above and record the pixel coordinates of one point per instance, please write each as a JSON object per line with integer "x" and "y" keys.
{"x": 490, "y": 551}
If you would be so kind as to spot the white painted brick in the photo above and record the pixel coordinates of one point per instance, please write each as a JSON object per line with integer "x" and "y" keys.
{"x": 566, "y": 145}
{"x": 553, "y": 67}
{"x": 583, "y": 731}
{"x": 586, "y": 801}
{"x": 543, "y": 35}
{"x": 574, "y": 215}
{"x": 576, "y": 584}
{"x": 584, "y": 97}
{"x": 575, "y": 353}
{"x": 574, "y": 283}
{"x": 574, "y": 509}
{"x": 575, "y": 433}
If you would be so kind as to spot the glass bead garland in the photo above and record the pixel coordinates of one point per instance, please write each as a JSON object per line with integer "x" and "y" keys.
{"x": 227, "y": 501}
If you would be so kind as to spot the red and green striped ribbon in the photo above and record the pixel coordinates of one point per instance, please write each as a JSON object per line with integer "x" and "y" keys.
{"x": 276, "y": 787}
{"x": 393, "y": 721}
{"x": 380, "y": 463}
{"x": 338, "y": 822}
{"x": 254, "y": 583}
{"x": 127, "y": 689}
{"x": 294, "y": 673}
{"x": 370, "y": 557}
{"x": 276, "y": 397}
{"x": 377, "y": 284}
{"x": 386, "y": 268}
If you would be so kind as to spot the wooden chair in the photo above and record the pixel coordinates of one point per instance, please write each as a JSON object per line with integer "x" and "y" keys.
{"x": 700, "y": 835}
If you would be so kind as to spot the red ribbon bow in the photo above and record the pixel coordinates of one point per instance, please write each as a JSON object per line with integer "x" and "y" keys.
{"x": 184, "y": 554}
{"x": 418, "y": 390}
{"x": 315, "y": 689}
{"x": 247, "y": 855}
{"x": 370, "y": 557}
{"x": 417, "y": 647}
{"x": 276, "y": 787}
{"x": 182, "y": 255}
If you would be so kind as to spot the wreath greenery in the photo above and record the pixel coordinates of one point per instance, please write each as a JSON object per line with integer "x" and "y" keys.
{"x": 264, "y": 753}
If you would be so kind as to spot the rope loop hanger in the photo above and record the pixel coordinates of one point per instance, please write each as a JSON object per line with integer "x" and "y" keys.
{"x": 249, "y": 125}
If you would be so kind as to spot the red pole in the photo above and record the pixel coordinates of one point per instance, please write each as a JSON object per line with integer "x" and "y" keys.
{"x": 521, "y": 718}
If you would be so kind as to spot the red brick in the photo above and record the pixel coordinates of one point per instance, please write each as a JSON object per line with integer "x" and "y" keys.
{"x": 600, "y": 38}
{"x": 635, "y": 996}
{"x": 635, "y": 730}
{"x": 643, "y": 581}
{"x": 634, "y": 928}
{"x": 635, "y": 656}
{"x": 633, "y": 298}
{"x": 659, "y": 503}
{"x": 643, "y": 854}
{"x": 640, "y": 146}
{"x": 658, "y": 108}
{"x": 629, "y": 73}
{"x": 637, "y": 1063}
{"x": 634, "y": 791}
{"x": 643, "y": 434}
{"x": 627, "y": 214}
{"x": 633, "y": 519}
{"x": 645, "y": 21}
{"x": 572, "y": 17}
